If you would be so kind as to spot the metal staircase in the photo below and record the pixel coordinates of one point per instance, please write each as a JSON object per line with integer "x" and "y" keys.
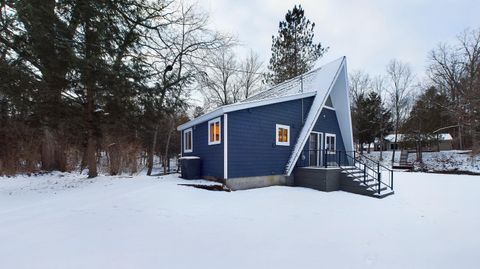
{"x": 355, "y": 180}
{"x": 404, "y": 164}
{"x": 358, "y": 173}
{"x": 366, "y": 176}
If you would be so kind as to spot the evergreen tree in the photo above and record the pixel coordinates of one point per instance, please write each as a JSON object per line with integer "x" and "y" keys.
{"x": 293, "y": 50}
{"x": 372, "y": 120}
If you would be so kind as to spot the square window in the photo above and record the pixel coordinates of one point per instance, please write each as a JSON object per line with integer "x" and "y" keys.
{"x": 282, "y": 135}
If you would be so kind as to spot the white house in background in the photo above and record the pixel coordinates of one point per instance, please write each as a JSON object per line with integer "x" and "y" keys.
{"x": 444, "y": 142}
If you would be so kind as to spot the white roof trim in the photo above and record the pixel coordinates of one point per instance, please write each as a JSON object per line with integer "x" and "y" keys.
{"x": 315, "y": 110}
{"x": 243, "y": 105}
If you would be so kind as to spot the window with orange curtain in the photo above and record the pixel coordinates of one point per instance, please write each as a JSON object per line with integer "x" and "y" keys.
{"x": 282, "y": 135}
{"x": 214, "y": 129}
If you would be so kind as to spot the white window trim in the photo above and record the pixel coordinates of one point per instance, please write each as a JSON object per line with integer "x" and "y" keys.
{"x": 189, "y": 130}
{"x": 277, "y": 126}
{"x": 334, "y": 145}
{"x": 328, "y": 107}
{"x": 219, "y": 126}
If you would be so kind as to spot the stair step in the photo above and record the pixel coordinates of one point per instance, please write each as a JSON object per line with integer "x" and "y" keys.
{"x": 349, "y": 168}
{"x": 384, "y": 194}
{"x": 355, "y": 174}
{"x": 354, "y": 181}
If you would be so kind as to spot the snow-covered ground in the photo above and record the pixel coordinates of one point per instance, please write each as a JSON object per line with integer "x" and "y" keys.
{"x": 68, "y": 221}
{"x": 443, "y": 161}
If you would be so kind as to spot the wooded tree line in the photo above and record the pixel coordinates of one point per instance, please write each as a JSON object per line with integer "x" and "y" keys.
{"x": 446, "y": 100}
{"x": 103, "y": 84}
{"x": 85, "y": 81}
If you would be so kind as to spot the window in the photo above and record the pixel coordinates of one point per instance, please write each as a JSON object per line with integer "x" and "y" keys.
{"x": 330, "y": 143}
{"x": 328, "y": 103}
{"x": 283, "y": 135}
{"x": 188, "y": 140}
{"x": 214, "y": 131}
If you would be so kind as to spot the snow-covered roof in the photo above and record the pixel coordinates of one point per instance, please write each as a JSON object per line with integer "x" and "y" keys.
{"x": 319, "y": 78}
{"x": 302, "y": 86}
{"x": 400, "y": 137}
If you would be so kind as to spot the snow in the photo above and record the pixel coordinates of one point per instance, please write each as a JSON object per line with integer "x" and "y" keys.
{"x": 69, "y": 221}
{"x": 448, "y": 161}
{"x": 441, "y": 137}
{"x": 443, "y": 161}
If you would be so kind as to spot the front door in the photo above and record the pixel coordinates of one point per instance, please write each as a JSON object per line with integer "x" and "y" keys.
{"x": 315, "y": 149}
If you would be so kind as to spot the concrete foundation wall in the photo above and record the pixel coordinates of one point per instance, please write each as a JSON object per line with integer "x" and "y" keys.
{"x": 244, "y": 183}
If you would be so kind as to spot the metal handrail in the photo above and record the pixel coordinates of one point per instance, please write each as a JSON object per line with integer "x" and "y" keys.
{"x": 370, "y": 167}
{"x": 377, "y": 162}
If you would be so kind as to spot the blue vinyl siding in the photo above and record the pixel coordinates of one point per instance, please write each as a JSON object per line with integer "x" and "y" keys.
{"x": 252, "y": 150}
{"x": 211, "y": 155}
{"x": 327, "y": 122}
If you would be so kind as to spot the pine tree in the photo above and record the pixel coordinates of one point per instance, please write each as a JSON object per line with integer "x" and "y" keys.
{"x": 372, "y": 120}
{"x": 293, "y": 50}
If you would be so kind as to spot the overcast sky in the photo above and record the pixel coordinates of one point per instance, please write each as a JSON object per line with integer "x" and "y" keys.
{"x": 369, "y": 33}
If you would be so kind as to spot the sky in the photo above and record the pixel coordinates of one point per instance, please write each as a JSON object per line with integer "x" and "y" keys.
{"x": 369, "y": 33}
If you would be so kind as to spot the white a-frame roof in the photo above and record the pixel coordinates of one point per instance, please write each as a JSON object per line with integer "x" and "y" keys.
{"x": 335, "y": 85}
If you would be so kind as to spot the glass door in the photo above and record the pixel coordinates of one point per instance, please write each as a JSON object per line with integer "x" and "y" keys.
{"x": 315, "y": 148}
{"x": 312, "y": 149}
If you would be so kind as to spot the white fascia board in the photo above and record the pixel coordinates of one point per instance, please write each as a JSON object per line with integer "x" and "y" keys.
{"x": 341, "y": 101}
{"x": 240, "y": 106}
{"x": 225, "y": 146}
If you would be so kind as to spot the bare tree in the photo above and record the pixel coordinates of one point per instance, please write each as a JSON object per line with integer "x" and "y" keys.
{"x": 220, "y": 84}
{"x": 378, "y": 86}
{"x": 446, "y": 72}
{"x": 360, "y": 83}
{"x": 455, "y": 70}
{"x": 400, "y": 79}
{"x": 470, "y": 48}
{"x": 176, "y": 52}
{"x": 251, "y": 76}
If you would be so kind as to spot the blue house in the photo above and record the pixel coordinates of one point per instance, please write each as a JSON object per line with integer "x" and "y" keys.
{"x": 297, "y": 133}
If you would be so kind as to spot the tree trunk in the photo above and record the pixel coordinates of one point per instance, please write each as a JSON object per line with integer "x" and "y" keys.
{"x": 151, "y": 152}
{"x": 381, "y": 146}
{"x": 395, "y": 144}
{"x": 166, "y": 157}
{"x": 89, "y": 77}
{"x": 91, "y": 145}
{"x": 460, "y": 139}
{"x": 48, "y": 150}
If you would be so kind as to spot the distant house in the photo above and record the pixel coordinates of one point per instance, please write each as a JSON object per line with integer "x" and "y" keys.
{"x": 444, "y": 142}
{"x": 265, "y": 139}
